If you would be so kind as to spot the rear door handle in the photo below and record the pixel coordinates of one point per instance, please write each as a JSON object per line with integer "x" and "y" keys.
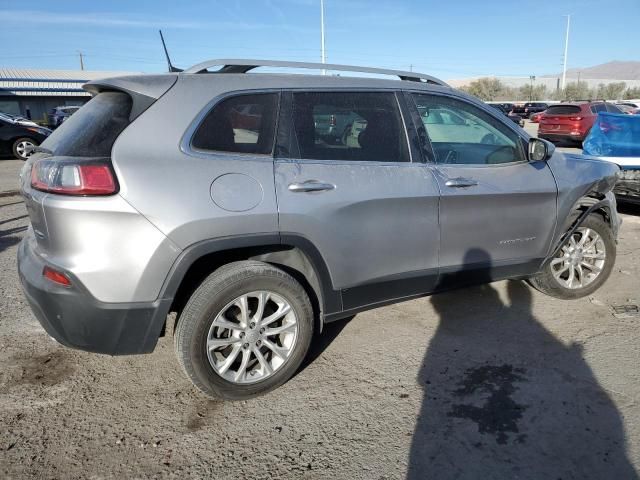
{"x": 460, "y": 182}
{"x": 310, "y": 186}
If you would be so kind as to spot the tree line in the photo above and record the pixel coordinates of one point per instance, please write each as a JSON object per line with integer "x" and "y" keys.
{"x": 492, "y": 89}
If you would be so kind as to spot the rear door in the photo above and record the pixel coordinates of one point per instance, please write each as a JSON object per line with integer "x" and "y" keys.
{"x": 497, "y": 209}
{"x": 369, "y": 210}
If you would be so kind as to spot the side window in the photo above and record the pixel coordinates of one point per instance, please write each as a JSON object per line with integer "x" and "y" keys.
{"x": 598, "y": 107}
{"x": 349, "y": 126}
{"x": 612, "y": 108}
{"x": 461, "y": 133}
{"x": 242, "y": 124}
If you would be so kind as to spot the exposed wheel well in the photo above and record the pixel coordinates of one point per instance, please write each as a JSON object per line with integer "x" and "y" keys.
{"x": 591, "y": 199}
{"x": 288, "y": 258}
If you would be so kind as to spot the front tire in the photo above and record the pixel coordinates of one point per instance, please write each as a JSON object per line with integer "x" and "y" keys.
{"x": 244, "y": 331}
{"x": 22, "y": 147}
{"x": 583, "y": 263}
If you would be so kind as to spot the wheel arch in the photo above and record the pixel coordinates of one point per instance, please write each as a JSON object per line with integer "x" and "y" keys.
{"x": 294, "y": 254}
{"x": 592, "y": 202}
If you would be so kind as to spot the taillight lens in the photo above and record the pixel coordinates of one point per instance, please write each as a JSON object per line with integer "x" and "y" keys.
{"x": 56, "y": 276}
{"x": 74, "y": 178}
{"x": 575, "y": 119}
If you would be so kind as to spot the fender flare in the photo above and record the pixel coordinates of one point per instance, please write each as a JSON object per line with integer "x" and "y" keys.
{"x": 294, "y": 251}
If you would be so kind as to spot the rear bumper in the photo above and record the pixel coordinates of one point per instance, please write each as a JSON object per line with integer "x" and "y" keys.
{"x": 73, "y": 317}
{"x": 560, "y": 137}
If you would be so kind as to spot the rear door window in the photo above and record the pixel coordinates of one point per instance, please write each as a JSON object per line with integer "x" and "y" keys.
{"x": 598, "y": 107}
{"x": 612, "y": 108}
{"x": 240, "y": 124}
{"x": 93, "y": 129}
{"x": 352, "y": 126}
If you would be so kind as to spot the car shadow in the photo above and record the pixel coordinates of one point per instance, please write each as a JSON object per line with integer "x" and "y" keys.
{"x": 321, "y": 341}
{"x": 504, "y": 398}
{"x": 7, "y": 241}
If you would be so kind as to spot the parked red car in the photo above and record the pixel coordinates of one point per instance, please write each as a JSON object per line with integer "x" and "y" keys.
{"x": 571, "y": 122}
{"x": 535, "y": 117}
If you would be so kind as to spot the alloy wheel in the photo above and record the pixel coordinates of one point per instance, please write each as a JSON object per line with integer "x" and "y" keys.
{"x": 580, "y": 260}
{"x": 24, "y": 148}
{"x": 252, "y": 337}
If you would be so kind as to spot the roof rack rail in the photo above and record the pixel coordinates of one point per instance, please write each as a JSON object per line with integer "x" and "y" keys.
{"x": 244, "y": 65}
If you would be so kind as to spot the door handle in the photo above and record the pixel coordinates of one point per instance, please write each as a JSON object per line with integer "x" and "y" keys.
{"x": 310, "y": 186}
{"x": 460, "y": 182}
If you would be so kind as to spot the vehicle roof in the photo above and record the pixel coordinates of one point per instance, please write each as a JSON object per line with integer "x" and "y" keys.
{"x": 151, "y": 85}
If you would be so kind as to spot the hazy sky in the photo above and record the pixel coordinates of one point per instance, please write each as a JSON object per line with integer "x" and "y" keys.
{"x": 449, "y": 39}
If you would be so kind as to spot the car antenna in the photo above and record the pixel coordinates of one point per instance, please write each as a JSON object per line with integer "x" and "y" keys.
{"x": 166, "y": 53}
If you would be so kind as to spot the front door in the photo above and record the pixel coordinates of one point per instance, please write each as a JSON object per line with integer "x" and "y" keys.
{"x": 349, "y": 187}
{"x": 497, "y": 209}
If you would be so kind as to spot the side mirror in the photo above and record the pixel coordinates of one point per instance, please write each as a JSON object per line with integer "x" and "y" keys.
{"x": 540, "y": 150}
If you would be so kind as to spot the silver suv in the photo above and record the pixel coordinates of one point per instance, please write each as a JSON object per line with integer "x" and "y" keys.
{"x": 214, "y": 193}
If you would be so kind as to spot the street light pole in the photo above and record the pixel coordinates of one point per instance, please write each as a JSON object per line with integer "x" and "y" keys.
{"x": 322, "y": 51}
{"x": 566, "y": 49}
{"x": 531, "y": 79}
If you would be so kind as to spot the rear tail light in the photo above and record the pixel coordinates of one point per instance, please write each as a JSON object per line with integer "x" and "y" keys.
{"x": 74, "y": 178}
{"x": 576, "y": 119}
{"x": 56, "y": 276}
{"x": 332, "y": 121}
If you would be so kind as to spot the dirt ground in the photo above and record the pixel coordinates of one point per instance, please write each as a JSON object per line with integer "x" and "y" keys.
{"x": 489, "y": 382}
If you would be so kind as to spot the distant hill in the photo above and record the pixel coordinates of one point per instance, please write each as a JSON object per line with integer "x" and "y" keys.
{"x": 609, "y": 72}
{"x": 615, "y": 70}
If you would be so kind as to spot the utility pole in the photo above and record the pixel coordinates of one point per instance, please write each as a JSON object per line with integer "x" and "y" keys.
{"x": 566, "y": 49}
{"x": 81, "y": 60}
{"x": 531, "y": 79}
{"x": 322, "y": 52}
{"x": 411, "y": 67}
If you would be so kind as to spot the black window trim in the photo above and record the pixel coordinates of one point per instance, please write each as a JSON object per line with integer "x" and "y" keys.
{"x": 186, "y": 143}
{"x": 294, "y": 156}
{"x": 428, "y": 148}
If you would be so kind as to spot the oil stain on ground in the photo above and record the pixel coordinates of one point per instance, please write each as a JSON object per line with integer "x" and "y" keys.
{"x": 499, "y": 415}
{"x": 46, "y": 369}
{"x": 201, "y": 414}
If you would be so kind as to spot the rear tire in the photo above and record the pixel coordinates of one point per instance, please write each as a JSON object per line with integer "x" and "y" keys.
{"x": 22, "y": 146}
{"x": 225, "y": 338}
{"x": 591, "y": 262}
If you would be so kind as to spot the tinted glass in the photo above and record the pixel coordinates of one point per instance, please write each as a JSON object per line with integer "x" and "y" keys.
{"x": 242, "y": 124}
{"x": 598, "y": 107}
{"x": 562, "y": 110}
{"x": 349, "y": 126}
{"x": 612, "y": 108}
{"x": 93, "y": 129}
{"x": 461, "y": 133}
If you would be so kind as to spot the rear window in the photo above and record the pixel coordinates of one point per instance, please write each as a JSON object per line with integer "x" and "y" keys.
{"x": 93, "y": 129}
{"x": 562, "y": 110}
{"x": 241, "y": 124}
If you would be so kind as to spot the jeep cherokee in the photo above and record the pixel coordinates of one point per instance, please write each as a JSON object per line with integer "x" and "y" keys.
{"x": 214, "y": 193}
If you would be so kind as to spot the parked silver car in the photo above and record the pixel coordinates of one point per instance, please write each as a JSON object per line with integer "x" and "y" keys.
{"x": 161, "y": 195}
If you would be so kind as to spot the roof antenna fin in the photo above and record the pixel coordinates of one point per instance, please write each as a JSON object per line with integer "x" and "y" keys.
{"x": 166, "y": 53}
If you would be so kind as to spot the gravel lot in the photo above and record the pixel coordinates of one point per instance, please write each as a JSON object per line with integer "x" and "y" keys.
{"x": 490, "y": 382}
{"x": 9, "y": 171}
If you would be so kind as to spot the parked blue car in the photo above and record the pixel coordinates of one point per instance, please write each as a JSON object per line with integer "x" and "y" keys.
{"x": 616, "y": 138}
